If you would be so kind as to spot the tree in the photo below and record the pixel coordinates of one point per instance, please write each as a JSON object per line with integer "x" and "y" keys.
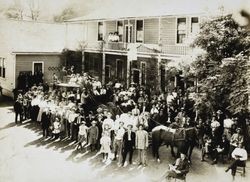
{"x": 20, "y": 11}
{"x": 222, "y": 69}
{"x": 14, "y": 12}
{"x": 66, "y": 14}
{"x": 33, "y": 10}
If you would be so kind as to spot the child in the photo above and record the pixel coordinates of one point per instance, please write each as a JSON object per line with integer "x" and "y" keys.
{"x": 93, "y": 136}
{"x": 82, "y": 135}
{"x": 57, "y": 128}
{"x": 105, "y": 146}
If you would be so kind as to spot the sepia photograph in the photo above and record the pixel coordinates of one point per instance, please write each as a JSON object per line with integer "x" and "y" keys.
{"x": 124, "y": 90}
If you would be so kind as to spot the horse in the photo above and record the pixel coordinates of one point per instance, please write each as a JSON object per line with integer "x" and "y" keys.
{"x": 184, "y": 139}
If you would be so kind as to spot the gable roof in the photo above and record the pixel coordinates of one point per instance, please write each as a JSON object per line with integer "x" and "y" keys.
{"x": 133, "y": 10}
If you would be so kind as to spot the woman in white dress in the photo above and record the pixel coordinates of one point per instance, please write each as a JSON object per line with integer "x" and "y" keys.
{"x": 42, "y": 105}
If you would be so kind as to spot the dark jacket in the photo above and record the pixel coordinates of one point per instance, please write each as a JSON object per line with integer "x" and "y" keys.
{"x": 46, "y": 119}
{"x": 18, "y": 107}
{"x": 182, "y": 165}
{"x": 126, "y": 142}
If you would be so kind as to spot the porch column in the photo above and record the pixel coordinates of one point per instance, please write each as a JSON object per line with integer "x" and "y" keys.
{"x": 103, "y": 67}
{"x": 83, "y": 62}
{"x": 158, "y": 86}
{"x": 248, "y": 84}
{"x": 175, "y": 81}
{"x": 128, "y": 72}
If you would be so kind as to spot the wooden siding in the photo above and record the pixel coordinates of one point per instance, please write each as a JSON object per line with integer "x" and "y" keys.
{"x": 92, "y": 31}
{"x": 168, "y": 31}
{"x": 24, "y": 63}
{"x": 151, "y": 31}
{"x": 110, "y": 27}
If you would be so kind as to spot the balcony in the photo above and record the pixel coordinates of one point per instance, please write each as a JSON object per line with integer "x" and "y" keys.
{"x": 94, "y": 46}
{"x": 176, "y": 49}
{"x": 141, "y": 48}
{"x": 116, "y": 46}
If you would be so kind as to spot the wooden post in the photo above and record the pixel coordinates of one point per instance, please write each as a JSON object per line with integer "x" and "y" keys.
{"x": 83, "y": 62}
{"x": 128, "y": 72}
{"x": 159, "y": 72}
{"x": 103, "y": 67}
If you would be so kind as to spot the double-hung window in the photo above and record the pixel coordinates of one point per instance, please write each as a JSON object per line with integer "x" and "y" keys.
{"x": 139, "y": 31}
{"x": 181, "y": 30}
{"x": 100, "y": 31}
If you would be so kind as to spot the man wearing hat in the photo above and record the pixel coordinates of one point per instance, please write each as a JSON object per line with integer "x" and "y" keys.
{"x": 239, "y": 156}
{"x": 180, "y": 167}
{"x": 236, "y": 139}
{"x": 141, "y": 143}
{"x": 93, "y": 136}
{"x": 82, "y": 135}
{"x": 118, "y": 142}
{"x": 46, "y": 122}
{"x": 128, "y": 144}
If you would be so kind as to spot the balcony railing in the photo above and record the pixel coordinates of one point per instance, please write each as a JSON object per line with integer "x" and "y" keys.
{"x": 175, "y": 49}
{"x": 116, "y": 46}
{"x": 97, "y": 46}
{"x": 141, "y": 48}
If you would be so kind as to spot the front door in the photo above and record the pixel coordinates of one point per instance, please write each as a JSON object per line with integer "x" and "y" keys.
{"x": 136, "y": 76}
{"x": 37, "y": 67}
{"x": 128, "y": 33}
{"x": 107, "y": 73}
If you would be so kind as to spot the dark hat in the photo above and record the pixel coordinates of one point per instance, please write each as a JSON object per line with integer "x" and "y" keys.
{"x": 140, "y": 125}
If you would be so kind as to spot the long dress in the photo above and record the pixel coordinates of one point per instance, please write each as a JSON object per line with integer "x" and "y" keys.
{"x": 105, "y": 142}
{"x": 42, "y": 106}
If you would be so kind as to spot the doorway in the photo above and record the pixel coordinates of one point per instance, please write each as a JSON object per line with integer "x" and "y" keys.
{"x": 38, "y": 67}
{"x": 136, "y": 76}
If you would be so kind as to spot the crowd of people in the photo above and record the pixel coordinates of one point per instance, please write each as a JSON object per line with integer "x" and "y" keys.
{"x": 115, "y": 120}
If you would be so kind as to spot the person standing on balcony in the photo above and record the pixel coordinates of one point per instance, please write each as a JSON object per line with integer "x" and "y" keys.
{"x": 116, "y": 37}
{"x": 110, "y": 37}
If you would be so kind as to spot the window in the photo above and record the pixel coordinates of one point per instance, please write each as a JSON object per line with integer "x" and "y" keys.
{"x": 139, "y": 30}
{"x": 100, "y": 31}
{"x": 181, "y": 30}
{"x": 194, "y": 24}
{"x": 2, "y": 67}
{"x": 120, "y": 30}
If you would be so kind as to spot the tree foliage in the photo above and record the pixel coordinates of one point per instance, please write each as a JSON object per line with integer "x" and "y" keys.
{"x": 222, "y": 69}
{"x": 66, "y": 14}
{"x": 14, "y": 12}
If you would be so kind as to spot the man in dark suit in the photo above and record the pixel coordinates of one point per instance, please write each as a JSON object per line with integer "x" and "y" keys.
{"x": 128, "y": 144}
{"x": 46, "y": 122}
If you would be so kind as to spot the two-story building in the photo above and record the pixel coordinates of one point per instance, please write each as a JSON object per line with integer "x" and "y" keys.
{"x": 144, "y": 45}
{"x": 127, "y": 46}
